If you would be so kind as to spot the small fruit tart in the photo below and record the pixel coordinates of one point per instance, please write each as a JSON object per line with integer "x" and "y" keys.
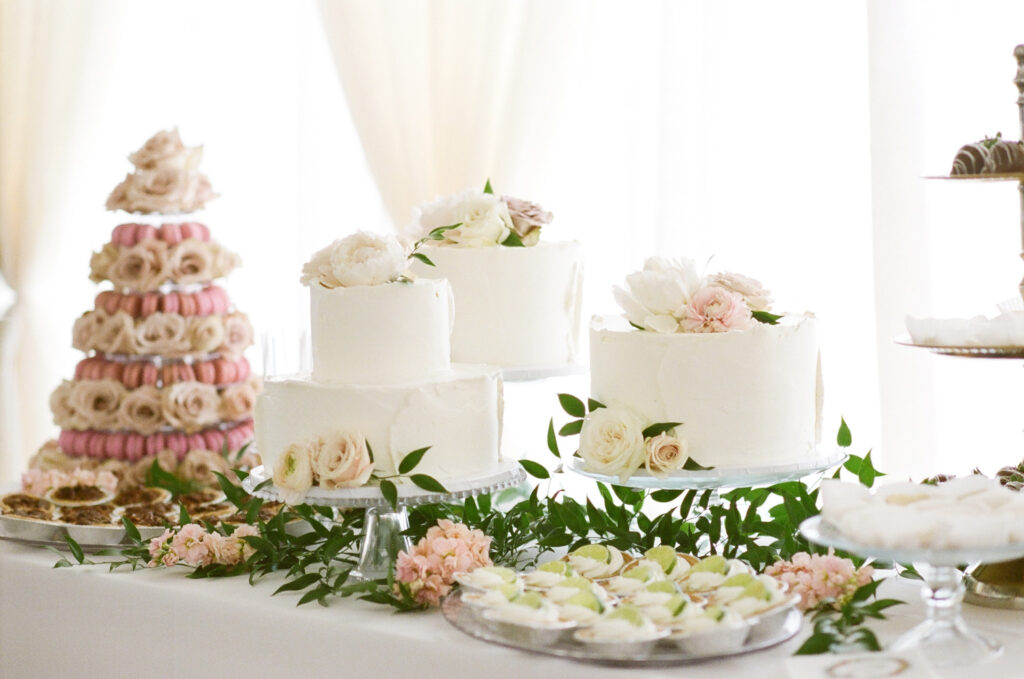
{"x": 78, "y": 495}
{"x": 716, "y": 630}
{"x": 624, "y": 632}
{"x": 487, "y": 577}
{"x": 597, "y": 561}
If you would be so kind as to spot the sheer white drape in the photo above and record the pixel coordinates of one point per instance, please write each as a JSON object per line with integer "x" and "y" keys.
{"x": 48, "y": 49}
{"x": 446, "y": 93}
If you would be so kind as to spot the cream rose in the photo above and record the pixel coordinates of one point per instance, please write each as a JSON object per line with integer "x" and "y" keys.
{"x": 64, "y": 414}
{"x": 200, "y": 465}
{"x": 342, "y": 461}
{"x": 163, "y": 334}
{"x": 86, "y": 329}
{"x": 117, "y": 336}
{"x": 527, "y": 219}
{"x": 190, "y": 261}
{"x": 136, "y": 474}
{"x": 141, "y": 411}
{"x": 237, "y": 401}
{"x": 160, "y": 190}
{"x": 224, "y": 261}
{"x": 362, "y": 258}
{"x": 96, "y": 402}
{"x": 612, "y": 442}
{"x": 483, "y": 219}
{"x": 190, "y": 405}
{"x": 50, "y": 456}
{"x": 751, "y": 290}
{"x": 163, "y": 149}
{"x": 205, "y": 333}
{"x": 656, "y": 298}
{"x": 142, "y": 267}
{"x": 293, "y": 473}
{"x": 237, "y": 334}
{"x": 100, "y": 262}
{"x": 664, "y": 454}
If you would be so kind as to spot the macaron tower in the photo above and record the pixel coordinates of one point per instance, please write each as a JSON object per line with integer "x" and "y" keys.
{"x": 164, "y": 375}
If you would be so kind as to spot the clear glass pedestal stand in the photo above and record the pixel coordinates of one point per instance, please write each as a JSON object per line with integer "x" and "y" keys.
{"x": 384, "y": 525}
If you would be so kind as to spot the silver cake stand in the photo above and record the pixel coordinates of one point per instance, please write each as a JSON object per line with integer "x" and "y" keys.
{"x": 383, "y": 530}
{"x": 944, "y": 637}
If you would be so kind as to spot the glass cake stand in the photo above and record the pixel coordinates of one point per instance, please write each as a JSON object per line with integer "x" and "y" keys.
{"x": 532, "y": 374}
{"x": 943, "y": 637}
{"x": 382, "y": 532}
{"x": 713, "y": 479}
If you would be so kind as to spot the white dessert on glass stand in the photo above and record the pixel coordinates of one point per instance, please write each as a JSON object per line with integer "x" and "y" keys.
{"x": 517, "y": 299}
{"x": 705, "y": 352}
{"x": 383, "y": 385}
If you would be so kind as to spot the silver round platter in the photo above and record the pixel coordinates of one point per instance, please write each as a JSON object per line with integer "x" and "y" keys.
{"x": 964, "y": 351}
{"x": 766, "y": 631}
{"x": 725, "y": 477}
{"x": 42, "y": 532}
{"x": 506, "y": 475}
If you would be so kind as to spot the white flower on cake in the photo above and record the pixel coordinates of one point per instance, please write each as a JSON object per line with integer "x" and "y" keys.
{"x": 656, "y": 297}
{"x": 612, "y": 442}
{"x": 664, "y": 453}
{"x": 293, "y": 473}
{"x": 342, "y": 460}
{"x": 751, "y": 290}
{"x": 362, "y": 258}
{"x": 527, "y": 219}
{"x": 483, "y": 219}
{"x": 715, "y": 309}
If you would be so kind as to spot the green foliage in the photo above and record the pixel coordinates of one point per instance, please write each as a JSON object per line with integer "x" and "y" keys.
{"x": 513, "y": 241}
{"x": 840, "y": 625}
{"x": 844, "y": 438}
{"x": 766, "y": 317}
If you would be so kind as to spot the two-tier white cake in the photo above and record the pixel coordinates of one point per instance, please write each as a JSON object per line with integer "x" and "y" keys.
{"x": 381, "y": 367}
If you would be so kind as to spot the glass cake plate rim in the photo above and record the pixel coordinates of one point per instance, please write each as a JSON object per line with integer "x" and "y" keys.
{"x": 727, "y": 477}
{"x": 661, "y": 656}
{"x": 818, "y": 530}
{"x": 507, "y": 475}
{"x": 516, "y": 374}
{"x": 1005, "y": 351}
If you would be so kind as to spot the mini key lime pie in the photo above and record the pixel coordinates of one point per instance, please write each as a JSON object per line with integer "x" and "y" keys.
{"x": 584, "y": 607}
{"x": 653, "y": 594}
{"x": 749, "y": 595}
{"x": 568, "y": 587}
{"x": 622, "y": 632}
{"x": 548, "y": 575}
{"x": 672, "y": 564}
{"x": 596, "y": 561}
{"x": 715, "y": 630}
{"x": 635, "y": 578}
{"x": 528, "y": 619}
{"x": 712, "y": 571}
{"x": 487, "y": 577}
{"x": 492, "y": 598}
{"x": 673, "y": 611}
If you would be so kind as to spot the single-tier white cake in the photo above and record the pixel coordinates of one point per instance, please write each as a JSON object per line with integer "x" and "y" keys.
{"x": 515, "y": 307}
{"x": 744, "y": 398}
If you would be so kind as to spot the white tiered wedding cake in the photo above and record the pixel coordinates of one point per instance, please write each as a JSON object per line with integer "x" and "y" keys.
{"x": 382, "y": 378}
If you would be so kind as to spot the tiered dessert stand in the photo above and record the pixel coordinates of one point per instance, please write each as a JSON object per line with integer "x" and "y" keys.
{"x": 944, "y": 632}
{"x": 383, "y": 529}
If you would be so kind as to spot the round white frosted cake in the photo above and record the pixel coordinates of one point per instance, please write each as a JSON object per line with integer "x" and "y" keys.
{"x": 382, "y": 377}
{"x": 517, "y": 298}
{"x": 698, "y": 370}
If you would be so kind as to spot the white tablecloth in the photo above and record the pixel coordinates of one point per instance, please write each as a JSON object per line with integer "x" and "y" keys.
{"x": 85, "y": 622}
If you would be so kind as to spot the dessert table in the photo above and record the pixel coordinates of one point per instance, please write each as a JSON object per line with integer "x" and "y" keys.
{"x": 86, "y": 622}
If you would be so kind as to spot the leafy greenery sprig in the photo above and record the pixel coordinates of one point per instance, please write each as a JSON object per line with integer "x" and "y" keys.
{"x": 390, "y": 491}
{"x": 842, "y": 628}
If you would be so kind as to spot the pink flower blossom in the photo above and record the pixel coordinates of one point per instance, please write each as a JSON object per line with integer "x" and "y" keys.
{"x": 448, "y": 548}
{"x": 242, "y": 531}
{"x": 715, "y": 309}
{"x": 818, "y": 577}
{"x": 188, "y": 545}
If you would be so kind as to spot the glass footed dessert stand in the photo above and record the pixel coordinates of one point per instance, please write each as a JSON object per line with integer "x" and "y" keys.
{"x": 384, "y": 525}
{"x": 944, "y": 637}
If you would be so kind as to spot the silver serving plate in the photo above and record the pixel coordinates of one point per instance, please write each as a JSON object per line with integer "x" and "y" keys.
{"x": 781, "y": 628}
{"x": 723, "y": 477}
{"x": 964, "y": 351}
{"x": 54, "y": 532}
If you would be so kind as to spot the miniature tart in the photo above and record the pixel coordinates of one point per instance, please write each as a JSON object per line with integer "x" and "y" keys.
{"x": 635, "y": 578}
{"x": 570, "y": 586}
{"x": 584, "y": 607}
{"x": 88, "y": 515}
{"x": 673, "y": 611}
{"x": 492, "y": 598}
{"x": 23, "y": 503}
{"x": 487, "y": 577}
{"x": 200, "y": 497}
{"x": 209, "y": 512}
{"x": 712, "y": 571}
{"x": 597, "y": 562}
{"x": 34, "y": 514}
{"x": 528, "y": 619}
{"x": 713, "y": 631}
{"x": 673, "y": 564}
{"x": 622, "y": 624}
{"x": 548, "y": 575}
{"x": 654, "y": 593}
{"x": 78, "y": 495}
{"x": 754, "y": 598}
{"x": 266, "y": 512}
{"x": 153, "y": 515}
{"x": 141, "y": 495}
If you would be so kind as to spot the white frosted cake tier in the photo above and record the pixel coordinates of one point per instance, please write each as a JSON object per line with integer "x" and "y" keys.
{"x": 744, "y": 398}
{"x": 381, "y": 334}
{"x": 457, "y": 414}
{"x": 514, "y": 307}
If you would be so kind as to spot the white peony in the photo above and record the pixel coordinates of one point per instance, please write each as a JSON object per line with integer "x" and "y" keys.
{"x": 483, "y": 219}
{"x": 656, "y": 297}
{"x": 750, "y": 289}
{"x": 612, "y": 442}
{"x": 360, "y": 259}
{"x": 293, "y": 473}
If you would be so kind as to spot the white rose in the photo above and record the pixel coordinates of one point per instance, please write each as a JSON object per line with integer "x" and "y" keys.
{"x": 293, "y": 474}
{"x": 656, "y": 297}
{"x": 664, "y": 454}
{"x": 751, "y": 290}
{"x": 483, "y": 219}
{"x": 360, "y": 259}
{"x": 612, "y": 442}
{"x": 343, "y": 461}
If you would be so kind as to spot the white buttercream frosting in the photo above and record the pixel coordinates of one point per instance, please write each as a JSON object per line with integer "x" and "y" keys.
{"x": 594, "y": 569}
{"x": 1003, "y": 330}
{"x": 381, "y": 334}
{"x": 703, "y": 581}
{"x": 543, "y": 579}
{"x": 514, "y": 307}
{"x": 618, "y": 629}
{"x": 745, "y": 398}
{"x": 546, "y": 615}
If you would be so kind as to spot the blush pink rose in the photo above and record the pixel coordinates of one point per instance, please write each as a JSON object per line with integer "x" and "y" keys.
{"x": 189, "y": 547}
{"x": 715, "y": 309}
{"x": 343, "y": 461}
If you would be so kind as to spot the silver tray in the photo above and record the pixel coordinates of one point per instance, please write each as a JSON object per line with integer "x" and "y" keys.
{"x": 722, "y": 477}
{"x": 53, "y": 532}
{"x": 1008, "y": 351}
{"x": 767, "y": 631}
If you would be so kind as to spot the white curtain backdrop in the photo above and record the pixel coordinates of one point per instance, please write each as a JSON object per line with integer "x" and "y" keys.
{"x": 49, "y": 49}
